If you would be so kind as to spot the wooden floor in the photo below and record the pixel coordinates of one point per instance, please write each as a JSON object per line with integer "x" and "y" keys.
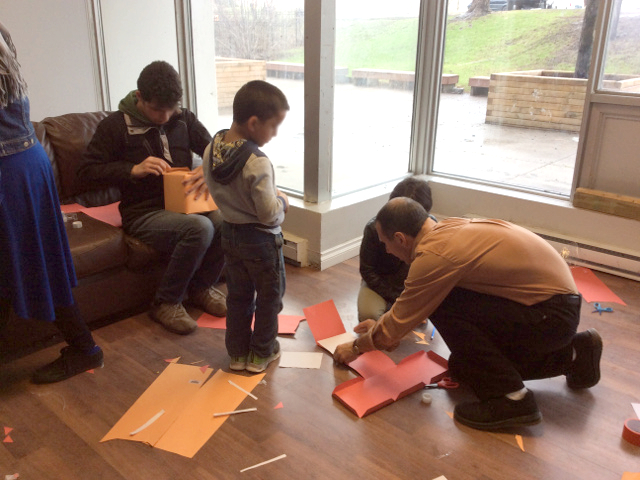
{"x": 57, "y": 428}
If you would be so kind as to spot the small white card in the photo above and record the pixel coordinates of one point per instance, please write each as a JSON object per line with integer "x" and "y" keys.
{"x": 330, "y": 344}
{"x": 636, "y": 408}
{"x": 300, "y": 359}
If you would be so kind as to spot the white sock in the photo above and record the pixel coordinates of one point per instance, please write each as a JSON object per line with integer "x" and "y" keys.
{"x": 518, "y": 394}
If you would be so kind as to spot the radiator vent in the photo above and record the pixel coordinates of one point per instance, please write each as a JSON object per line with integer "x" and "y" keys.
{"x": 295, "y": 250}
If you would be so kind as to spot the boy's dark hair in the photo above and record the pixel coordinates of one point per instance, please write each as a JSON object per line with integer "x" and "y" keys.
{"x": 258, "y": 98}
{"x": 415, "y": 188}
{"x": 159, "y": 82}
{"x": 403, "y": 215}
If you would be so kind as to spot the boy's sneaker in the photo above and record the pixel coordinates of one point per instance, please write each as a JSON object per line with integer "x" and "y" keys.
{"x": 584, "y": 371}
{"x": 238, "y": 363}
{"x": 211, "y": 300}
{"x": 497, "y": 413}
{"x": 256, "y": 364}
{"x": 173, "y": 317}
{"x": 71, "y": 362}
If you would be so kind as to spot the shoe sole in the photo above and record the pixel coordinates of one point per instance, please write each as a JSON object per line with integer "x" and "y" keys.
{"x": 596, "y": 342}
{"x": 522, "y": 421}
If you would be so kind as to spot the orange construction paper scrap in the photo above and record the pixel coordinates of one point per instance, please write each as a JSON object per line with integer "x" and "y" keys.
{"x": 520, "y": 442}
{"x": 175, "y": 199}
{"x": 366, "y": 395}
{"x": 287, "y": 324}
{"x": 631, "y": 476}
{"x": 7, "y": 439}
{"x": 592, "y": 288}
{"x": 72, "y": 208}
{"x": 7, "y": 430}
{"x": 278, "y": 406}
{"x": 196, "y": 423}
{"x": 172, "y": 360}
{"x": 171, "y": 392}
{"x": 324, "y": 320}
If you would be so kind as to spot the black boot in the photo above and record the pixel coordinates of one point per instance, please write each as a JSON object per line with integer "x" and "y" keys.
{"x": 584, "y": 371}
{"x": 497, "y": 413}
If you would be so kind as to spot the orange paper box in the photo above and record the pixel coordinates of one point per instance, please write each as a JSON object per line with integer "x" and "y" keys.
{"x": 175, "y": 199}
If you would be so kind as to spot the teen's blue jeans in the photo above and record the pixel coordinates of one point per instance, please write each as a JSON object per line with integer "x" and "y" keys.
{"x": 256, "y": 283}
{"x": 193, "y": 244}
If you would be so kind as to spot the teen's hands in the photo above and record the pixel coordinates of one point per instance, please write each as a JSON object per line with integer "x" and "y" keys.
{"x": 149, "y": 166}
{"x": 194, "y": 182}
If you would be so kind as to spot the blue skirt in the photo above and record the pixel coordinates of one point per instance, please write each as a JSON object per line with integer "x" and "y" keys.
{"x": 36, "y": 268}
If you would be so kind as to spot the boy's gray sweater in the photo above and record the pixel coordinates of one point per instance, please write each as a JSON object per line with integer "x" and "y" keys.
{"x": 241, "y": 181}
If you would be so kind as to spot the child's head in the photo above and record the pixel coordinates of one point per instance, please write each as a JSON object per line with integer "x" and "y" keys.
{"x": 415, "y": 188}
{"x": 259, "y": 108}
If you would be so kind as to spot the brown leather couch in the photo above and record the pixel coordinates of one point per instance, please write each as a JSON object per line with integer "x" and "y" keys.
{"x": 117, "y": 274}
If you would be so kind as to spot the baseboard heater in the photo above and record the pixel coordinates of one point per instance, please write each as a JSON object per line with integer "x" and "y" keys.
{"x": 295, "y": 250}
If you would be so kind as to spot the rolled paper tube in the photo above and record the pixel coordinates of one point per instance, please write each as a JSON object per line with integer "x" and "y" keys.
{"x": 631, "y": 431}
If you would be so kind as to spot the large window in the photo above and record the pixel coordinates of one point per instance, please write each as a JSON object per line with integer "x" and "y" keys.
{"x": 375, "y": 62}
{"x": 515, "y": 114}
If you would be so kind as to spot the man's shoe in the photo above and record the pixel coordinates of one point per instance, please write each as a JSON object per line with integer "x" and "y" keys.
{"x": 497, "y": 413}
{"x": 70, "y": 362}
{"x": 173, "y": 317}
{"x": 211, "y": 300}
{"x": 584, "y": 371}
{"x": 238, "y": 363}
{"x": 256, "y": 364}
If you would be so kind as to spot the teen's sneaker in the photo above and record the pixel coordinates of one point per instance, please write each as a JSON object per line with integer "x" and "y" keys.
{"x": 211, "y": 300}
{"x": 70, "y": 362}
{"x": 256, "y": 364}
{"x": 238, "y": 363}
{"x": 584, "y": 371}
{"x": 497, "y": 413}
{"x": 173, "y": 317}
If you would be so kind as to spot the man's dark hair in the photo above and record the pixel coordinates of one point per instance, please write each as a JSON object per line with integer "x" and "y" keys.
{"x": 403, "y": 215}
{"x": 415, "y": 188}
{"x": 258, "y": 98}
{"x": 160, "y": 83}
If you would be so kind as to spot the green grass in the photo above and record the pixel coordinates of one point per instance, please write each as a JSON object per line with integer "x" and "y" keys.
{"x": 499, "y": 42}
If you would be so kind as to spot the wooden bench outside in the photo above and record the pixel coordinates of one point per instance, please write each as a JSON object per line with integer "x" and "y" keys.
{"x": 296, "y": 71}
{"x": 479, "y": 85}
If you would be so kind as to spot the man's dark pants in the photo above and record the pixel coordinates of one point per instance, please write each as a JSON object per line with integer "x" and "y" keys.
{"x": 497, "y": 343}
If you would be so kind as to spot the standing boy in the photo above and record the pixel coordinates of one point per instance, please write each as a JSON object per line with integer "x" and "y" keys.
{"x": 131, "y": 149}
{"x": 241, "y": 180}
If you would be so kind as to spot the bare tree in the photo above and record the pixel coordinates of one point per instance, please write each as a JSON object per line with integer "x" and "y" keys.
{"x": 478, "y": 8}
{"x": 255, "y": 29}
{"x": 585, "y": 47}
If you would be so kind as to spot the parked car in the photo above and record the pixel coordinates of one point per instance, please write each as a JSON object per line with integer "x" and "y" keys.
{"x": 497, "y": 5}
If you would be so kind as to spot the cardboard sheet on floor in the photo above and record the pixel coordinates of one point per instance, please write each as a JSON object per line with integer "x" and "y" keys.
{"x": 387, "y": 384}
{"x": 592, "y": 288}
{"x": 187, "y": 402}
{"x": 287, "y": 324}
{"x": 196, "y": 423}
{"x": 300, "y": 360}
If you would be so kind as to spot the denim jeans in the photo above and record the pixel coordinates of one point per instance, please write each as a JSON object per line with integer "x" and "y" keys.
{"x": 255, "y": 283}
{"x": 193, "y": 243}
{"x": 497, "y": 343}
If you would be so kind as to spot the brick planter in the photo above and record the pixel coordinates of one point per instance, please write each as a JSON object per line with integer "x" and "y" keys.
{"x": 546, "y": 99}
{"x": 232, "y": 73}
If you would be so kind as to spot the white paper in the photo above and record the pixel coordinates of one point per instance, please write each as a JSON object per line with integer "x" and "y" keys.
{"x": 301, "y": 359}
{"x": 636, "y": 408}
{"x": 330, "y": 344}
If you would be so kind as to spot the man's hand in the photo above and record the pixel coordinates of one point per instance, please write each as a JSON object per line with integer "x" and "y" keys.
{"x": 194, "y": 182}
{"x": 344, "y": 353}
{"x": 149, "y": 166}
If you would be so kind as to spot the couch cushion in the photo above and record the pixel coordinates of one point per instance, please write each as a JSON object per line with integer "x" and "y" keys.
{"x": 96, "y": 246}
{"x": 69, "y": 136}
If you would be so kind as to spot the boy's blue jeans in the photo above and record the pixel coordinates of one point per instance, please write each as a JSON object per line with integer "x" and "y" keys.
{"x": 255, "y": 283}
{"x": 193, "y": 243}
